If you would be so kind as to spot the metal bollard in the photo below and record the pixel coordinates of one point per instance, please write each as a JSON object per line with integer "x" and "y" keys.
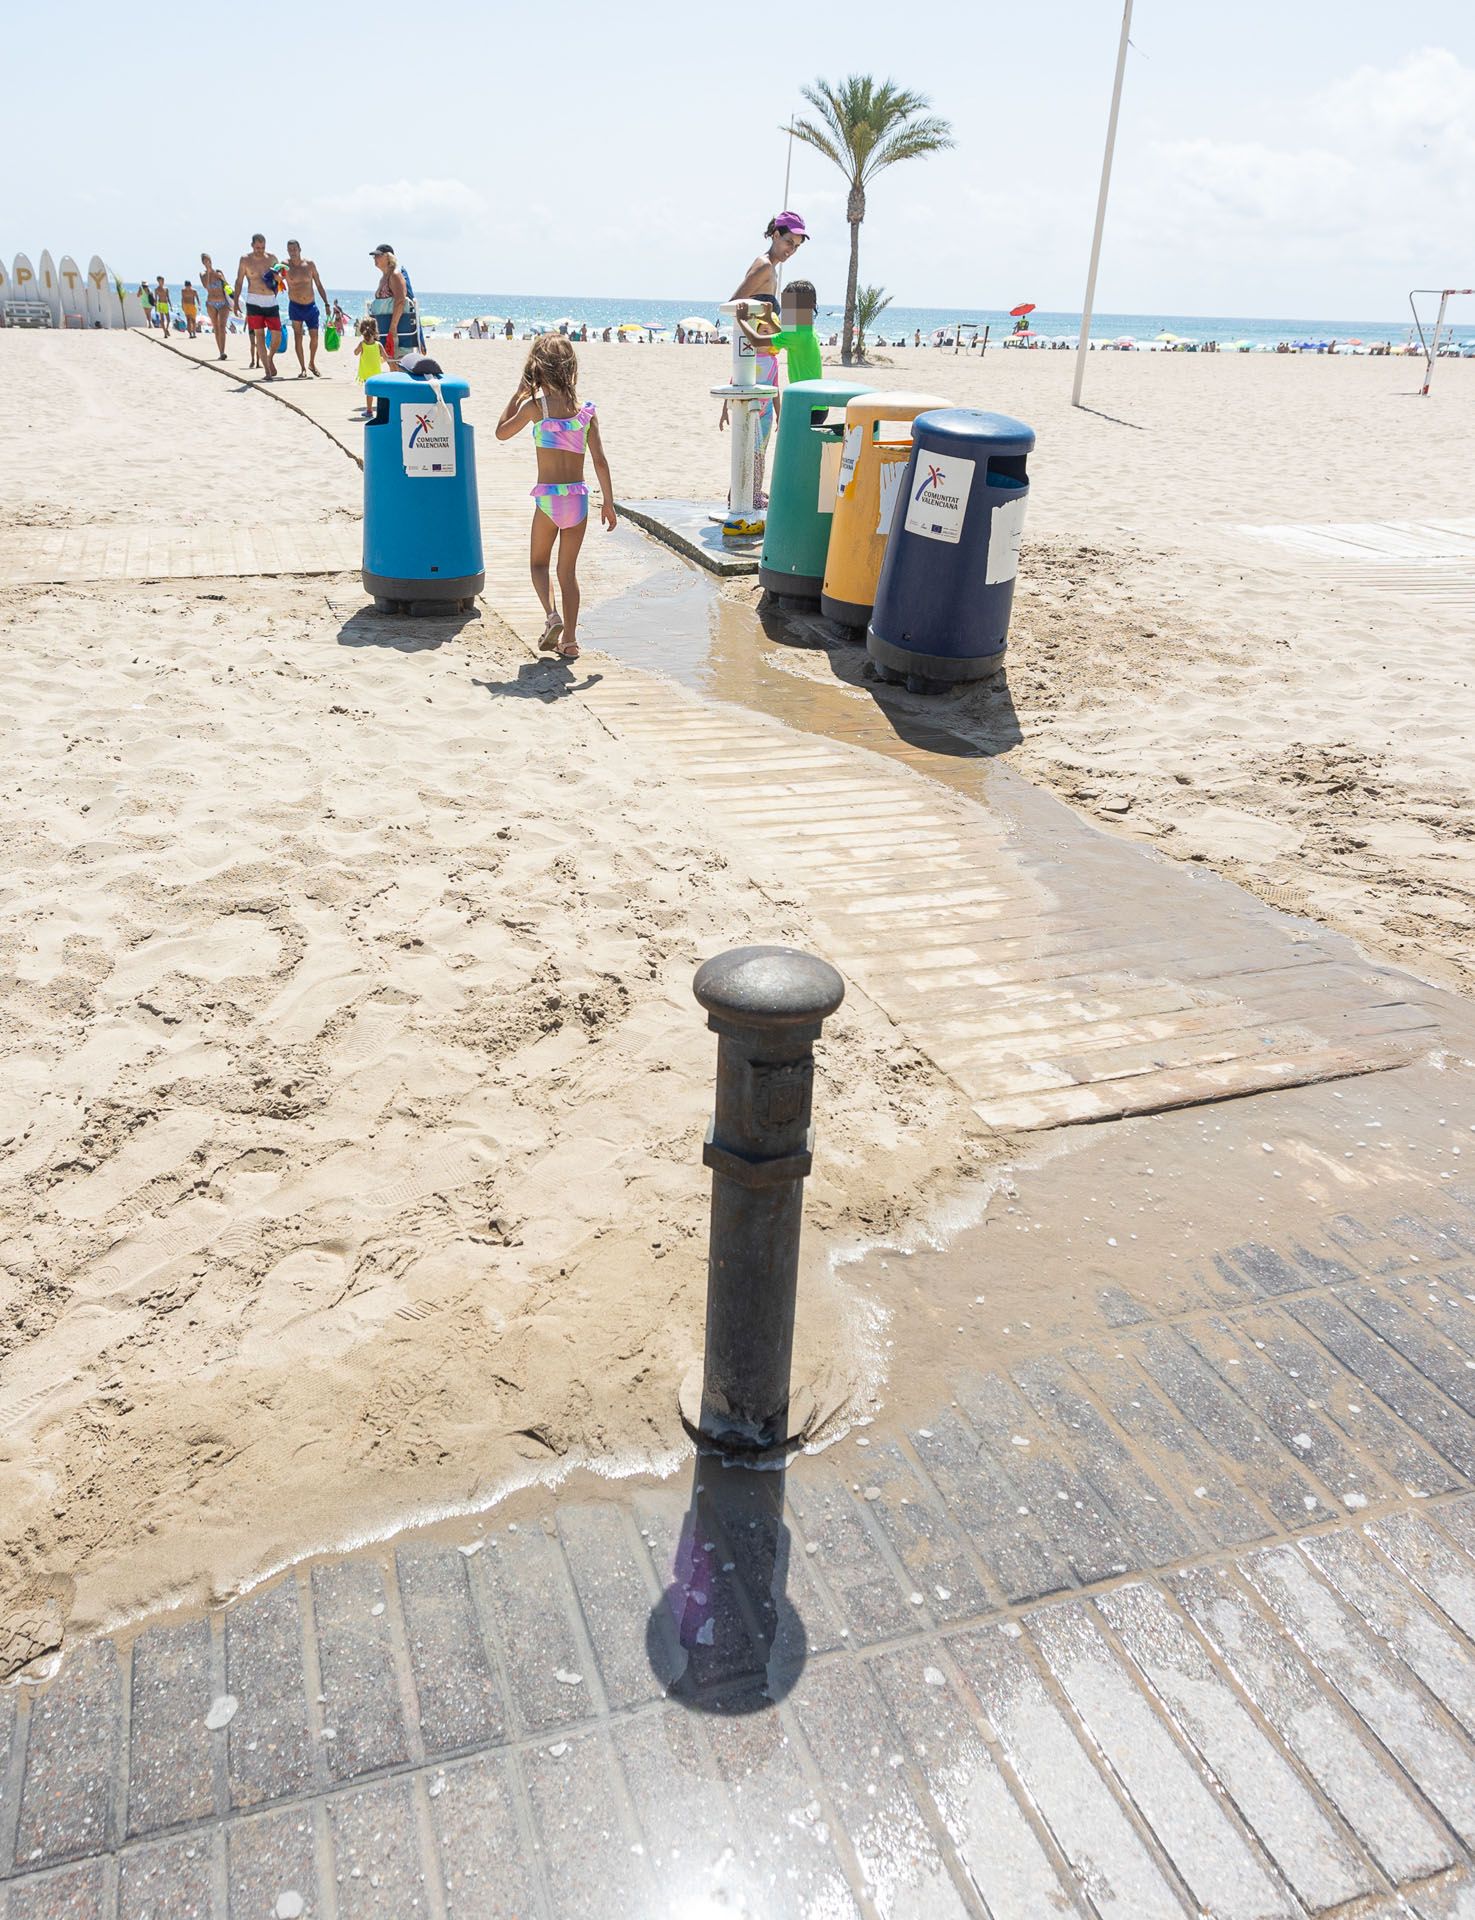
{"x": 766, "y": 1005}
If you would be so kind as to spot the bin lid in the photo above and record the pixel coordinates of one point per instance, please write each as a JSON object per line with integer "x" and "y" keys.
{"x": 963, "y": 427}
{"x": 896, "y": 404}
{"x": 400, "y": 386}
{"x": 825, "y": 393}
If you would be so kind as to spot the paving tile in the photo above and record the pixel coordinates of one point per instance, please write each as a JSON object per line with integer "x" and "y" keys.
{"x": 613, "y": 1581}
{"x": 1005, "y": 1858}
{"x": 12, "y": 1737}
{"x": 1210, "y": 1850}
{"x": 849, "y": 1555}
{"x": 1436, "y": 1359}
{"x": 1172, "y": 1450}
{"x": 1376, "y": 1688}
{"x": 859, "y": 1752}
{"x": 1107, "y": 1855}
{"x": 76, "y": 1893}
{"x": 1229, "y": 1429}
{"x": 1327, "y": 1742}
{"x": 486, "y": 1859}
{"x": 267, "y": 1855}
{"x": 1379, "y": 1370}
{"x": 269, "y": 1742}
{"x": 1141, "y": 1504}
{"x": 1452, "y": 1897}
{"x": 701, "y": 1632}
{"x": 788, "y": 1828}
{"x": 525, "y": 1594}
{"x": 996, "y": 1522}
{"x": 777, "y": 1581}
{"x": 1280, "y": 1402}
{"x": 686, "y": 1821}
{"x": 1412, "y": 1633}
{"x": 459, "y": 1697}
{"x": 1341, "y": 1396}
{"x": 1424, "y": 1556}
{"x": 1081, "y": 1528}
{"x": 171, "y": 1763}
{"x": 1270, "y": 1795}
{"x": 1367, "y": 1245}
{"x": 589, "y": 1859}
{"x": 168, "y": 1880}
{"x": 933, "y": 1552}
{"x": 378, "y": 1873}
{"x": 1268, "y": 1272}
{"x": 72, "y": 1757}
{"x": 356, "y": 1661}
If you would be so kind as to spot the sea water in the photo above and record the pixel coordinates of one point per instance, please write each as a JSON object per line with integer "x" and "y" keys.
{"x": 541, "y": 311}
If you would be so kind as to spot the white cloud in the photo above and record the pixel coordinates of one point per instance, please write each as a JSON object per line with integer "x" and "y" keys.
{"x": 1366, "y": 185}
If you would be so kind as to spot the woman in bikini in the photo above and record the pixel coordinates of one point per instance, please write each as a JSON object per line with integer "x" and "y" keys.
{"x": 547, "y": 401}
{"x": 217, "y": 300}
{"x": 785, "y": 234}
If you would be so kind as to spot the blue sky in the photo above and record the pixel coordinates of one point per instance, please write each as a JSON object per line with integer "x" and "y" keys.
{"x": 1273, "y": 159}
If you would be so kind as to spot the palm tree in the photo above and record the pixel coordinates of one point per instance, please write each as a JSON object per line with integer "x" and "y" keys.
{"x": 862, "y": 128}
{"x": 870, "y": 304}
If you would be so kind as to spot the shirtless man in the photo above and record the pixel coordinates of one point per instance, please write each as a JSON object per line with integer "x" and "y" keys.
{"x": 256, "y": 279}
{"x": 302, "y": 310}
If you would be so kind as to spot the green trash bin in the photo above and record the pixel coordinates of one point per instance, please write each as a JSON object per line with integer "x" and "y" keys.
{"x": 801, "y": 494}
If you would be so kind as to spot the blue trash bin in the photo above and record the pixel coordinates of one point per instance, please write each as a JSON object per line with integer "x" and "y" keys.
{"x": 947, "y": 583}
{"x": 422, "y": 526}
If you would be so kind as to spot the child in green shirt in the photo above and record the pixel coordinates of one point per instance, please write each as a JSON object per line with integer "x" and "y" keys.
{"x": 795, "y": 335}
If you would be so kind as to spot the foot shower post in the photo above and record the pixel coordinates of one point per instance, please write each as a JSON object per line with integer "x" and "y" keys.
{"x": 767, "y": 1006}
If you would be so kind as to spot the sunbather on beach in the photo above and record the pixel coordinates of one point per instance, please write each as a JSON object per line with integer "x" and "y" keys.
{"x": 547, "y": 401}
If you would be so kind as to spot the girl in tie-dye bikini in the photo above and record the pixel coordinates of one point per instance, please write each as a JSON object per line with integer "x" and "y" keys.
{"x": 547, "y": 401}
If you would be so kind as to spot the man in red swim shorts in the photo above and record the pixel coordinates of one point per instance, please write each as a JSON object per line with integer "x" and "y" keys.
{"x": 256, "y": 279}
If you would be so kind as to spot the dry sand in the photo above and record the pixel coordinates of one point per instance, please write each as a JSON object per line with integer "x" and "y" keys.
{"x": 348, "y": 1133}
{"x": 354, "y": 1090}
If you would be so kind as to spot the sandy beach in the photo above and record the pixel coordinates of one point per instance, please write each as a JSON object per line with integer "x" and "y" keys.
{"x": 353, "y": 1088}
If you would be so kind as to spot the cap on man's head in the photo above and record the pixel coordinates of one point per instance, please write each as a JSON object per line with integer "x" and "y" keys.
{"x": 790, "y": 223}
{"x": 383, "y": 247}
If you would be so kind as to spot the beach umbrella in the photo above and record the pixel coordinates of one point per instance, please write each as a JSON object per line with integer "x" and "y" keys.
{"x": 1165, "y": 335}
{"x": 1125, "y": 340}
{"x": 1018, "y": 313}
{"x": 694, "y": 323}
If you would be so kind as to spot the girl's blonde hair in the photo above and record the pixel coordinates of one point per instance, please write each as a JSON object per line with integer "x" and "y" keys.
{"x": 552, "y": 363}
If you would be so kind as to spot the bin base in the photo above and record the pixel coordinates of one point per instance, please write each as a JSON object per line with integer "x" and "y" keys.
{"x": 794, "y": 586}
{"x": 422, "y": 596}
{"x": 931, "y": 666}
{"x": 845, "y": 613}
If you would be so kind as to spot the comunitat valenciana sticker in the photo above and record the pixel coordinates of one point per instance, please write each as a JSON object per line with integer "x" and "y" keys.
{"x": 940, "y": 489}
{"x": 428, "y": 434}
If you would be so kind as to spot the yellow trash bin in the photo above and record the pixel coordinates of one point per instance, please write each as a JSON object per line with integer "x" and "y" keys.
{"x": 878, "y": 441}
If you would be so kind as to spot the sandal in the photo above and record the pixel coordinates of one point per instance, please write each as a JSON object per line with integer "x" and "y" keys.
{"x": 553, "y": 626}
{"x": 570, "y": 651}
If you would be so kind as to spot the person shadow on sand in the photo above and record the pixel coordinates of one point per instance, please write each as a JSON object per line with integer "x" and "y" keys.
{"x": 543, "y": 679}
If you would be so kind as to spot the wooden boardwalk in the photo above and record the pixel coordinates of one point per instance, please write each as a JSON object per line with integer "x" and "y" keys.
{"x": 43, "y": 556}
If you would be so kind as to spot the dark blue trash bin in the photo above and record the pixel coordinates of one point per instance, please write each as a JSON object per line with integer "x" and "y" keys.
{"x": 947, "y": 583}
{"x": 422, "y": 524}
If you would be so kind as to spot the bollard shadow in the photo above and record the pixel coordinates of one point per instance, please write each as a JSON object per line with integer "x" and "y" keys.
{"x": 404, "y": 633}
{"x": 544, "y": 679}
{"x": 725, "y": 1638}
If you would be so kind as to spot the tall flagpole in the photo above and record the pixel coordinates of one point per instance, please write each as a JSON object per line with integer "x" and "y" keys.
{"x": 788, "y": 169}
{"x": 1116, "y": 101}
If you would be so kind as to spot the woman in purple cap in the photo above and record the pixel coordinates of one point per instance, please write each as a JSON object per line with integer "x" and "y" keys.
{"x": 785, "y": 234}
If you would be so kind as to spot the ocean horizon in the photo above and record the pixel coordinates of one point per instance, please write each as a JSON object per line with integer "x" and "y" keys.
{"x": 599, "y": 311}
